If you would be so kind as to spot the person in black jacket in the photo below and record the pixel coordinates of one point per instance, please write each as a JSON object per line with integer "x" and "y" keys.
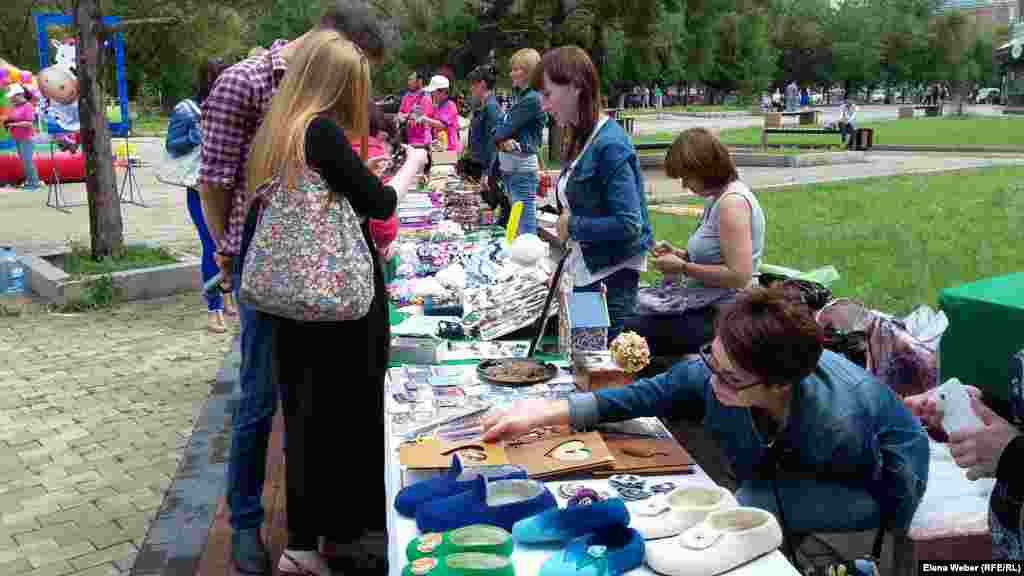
{"x": 994, "y": 450}
{"x": 332, "y": 372}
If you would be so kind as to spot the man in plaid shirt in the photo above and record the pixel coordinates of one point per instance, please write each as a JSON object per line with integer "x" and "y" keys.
{"x": 231, "y": 116}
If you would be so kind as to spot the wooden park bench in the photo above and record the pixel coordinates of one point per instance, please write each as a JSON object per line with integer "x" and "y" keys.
{"x": 930, "y": 109}
{"x": 806, "y": 117}
{"x": 766, "y": 131}
{"x": 625, "y": 121}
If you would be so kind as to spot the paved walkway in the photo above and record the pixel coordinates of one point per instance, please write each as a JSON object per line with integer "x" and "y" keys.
{"x": 31, "y": 227}
{"x": 95, "y": 411}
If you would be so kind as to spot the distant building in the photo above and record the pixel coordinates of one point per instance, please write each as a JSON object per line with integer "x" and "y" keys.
{"x": 996, "y": 12}
{"x": 1011, "y": 58}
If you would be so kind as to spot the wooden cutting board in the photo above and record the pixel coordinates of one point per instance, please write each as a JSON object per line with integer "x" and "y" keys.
{"x": 634, "y": 455}
{"x": 435, "y": 454}
{"x": 560, "y": 453}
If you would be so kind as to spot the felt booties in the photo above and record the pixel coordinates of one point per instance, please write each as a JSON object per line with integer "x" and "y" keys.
{"x": 563, "y": 524}
{"x": 474, "y": 538}
{"x": 412, "y": 496}
{"x": 605, "y": 553}
{"x": 461, "y": 564}
{"x": 724, "y": 540}
{"x": 496, "y": 502}
{"x": 679, "y": 510}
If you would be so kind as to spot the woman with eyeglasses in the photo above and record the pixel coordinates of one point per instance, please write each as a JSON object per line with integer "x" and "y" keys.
{"x": 843, "y": 445}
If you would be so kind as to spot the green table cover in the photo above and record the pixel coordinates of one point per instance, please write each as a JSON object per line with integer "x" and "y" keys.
{"x": 986, "y": 327}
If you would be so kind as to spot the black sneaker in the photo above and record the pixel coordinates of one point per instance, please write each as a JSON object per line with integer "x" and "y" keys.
{"x": 248, "y": 553}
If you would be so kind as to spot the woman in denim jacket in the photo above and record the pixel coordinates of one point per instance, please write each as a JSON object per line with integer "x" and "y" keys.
{"x": 518, "y": 137}
{"x": 842, "y": 445}
{"x": 600, "y": 191}
{"x": 184, "y": 134}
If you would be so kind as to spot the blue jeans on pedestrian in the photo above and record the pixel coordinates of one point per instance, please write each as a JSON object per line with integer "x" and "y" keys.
{"x": 522, "y": 186}
{"x": 209, "y": 266}
{"x": 813, "y": 506}
{"x": 25, "y": 150}
{"x": 622, "y": 287}
{"x": 846, "y": 129}
{"x": 254, "y": 416}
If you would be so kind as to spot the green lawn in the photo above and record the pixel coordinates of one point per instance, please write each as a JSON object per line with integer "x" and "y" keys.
{"x": 897, "y": 241}
{"x": 949, "y": 130}
{"x": 78, "y": 262}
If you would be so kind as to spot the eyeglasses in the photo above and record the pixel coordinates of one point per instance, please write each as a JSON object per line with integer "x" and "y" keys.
{"x": 709, "y": 359}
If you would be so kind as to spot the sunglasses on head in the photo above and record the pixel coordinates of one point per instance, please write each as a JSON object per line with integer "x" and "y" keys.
{"x": 708, "y": 357}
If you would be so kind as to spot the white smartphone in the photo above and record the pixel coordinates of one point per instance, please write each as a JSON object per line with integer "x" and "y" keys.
{"x": 954, "y": 401}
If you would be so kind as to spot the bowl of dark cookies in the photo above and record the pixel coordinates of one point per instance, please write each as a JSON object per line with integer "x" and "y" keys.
{"x": 516, "y": 371}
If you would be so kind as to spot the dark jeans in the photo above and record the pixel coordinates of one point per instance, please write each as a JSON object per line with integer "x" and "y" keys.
{"x": 846, "y": 129}
{"x": 622, "y": 287}
{"x": 253, "y": 418}
{"x": 678, "y": 334}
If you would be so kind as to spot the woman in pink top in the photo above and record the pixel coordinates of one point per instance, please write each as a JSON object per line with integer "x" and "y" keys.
{"x": 446, "y": 113}
{"x": 20, "y": 123}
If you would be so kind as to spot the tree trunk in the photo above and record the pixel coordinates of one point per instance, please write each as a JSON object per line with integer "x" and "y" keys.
{"x": 105, "y": 227}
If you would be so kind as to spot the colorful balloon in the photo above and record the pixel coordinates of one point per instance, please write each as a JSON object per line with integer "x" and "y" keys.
{"x": 3, "y": 73}
{"x": 26, "y": 76}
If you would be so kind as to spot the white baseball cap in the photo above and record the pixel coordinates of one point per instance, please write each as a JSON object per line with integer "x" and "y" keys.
{"x": 438, "y": 83}
{"x": 15, "y": 90}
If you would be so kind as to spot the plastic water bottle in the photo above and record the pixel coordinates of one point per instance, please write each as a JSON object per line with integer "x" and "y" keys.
{"x": 12, "y": 272}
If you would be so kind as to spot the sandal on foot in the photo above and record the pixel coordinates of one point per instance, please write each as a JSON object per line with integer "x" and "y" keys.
{"x": 289, "y": 566}
{"x": 215, "y": 323}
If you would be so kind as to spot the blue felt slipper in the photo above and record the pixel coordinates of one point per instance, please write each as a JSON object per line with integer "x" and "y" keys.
{"x": 564, "y": 524}
{"x": 499, "y": 503}
{"x": 605, "y": 553}
{"x": 413, "y": 496}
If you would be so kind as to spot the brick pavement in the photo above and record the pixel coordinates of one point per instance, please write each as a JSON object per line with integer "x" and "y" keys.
{"x": 95, "y": 410}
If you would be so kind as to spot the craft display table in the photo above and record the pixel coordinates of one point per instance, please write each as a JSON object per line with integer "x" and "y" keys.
{"x": 402, "y": 530}
{"x": 985, "y": 319}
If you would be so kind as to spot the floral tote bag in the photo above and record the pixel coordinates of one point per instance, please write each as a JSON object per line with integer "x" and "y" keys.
{"x": 308, "y": 259}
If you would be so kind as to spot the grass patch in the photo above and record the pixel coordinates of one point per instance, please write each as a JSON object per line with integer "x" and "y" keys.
{"x": 945, "y": 131}
{"x": 896, "y": 241}
{"x": 78, "y": 262}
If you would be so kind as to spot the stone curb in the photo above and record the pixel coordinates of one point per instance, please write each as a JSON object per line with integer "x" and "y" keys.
{"x": 57, "y": 287}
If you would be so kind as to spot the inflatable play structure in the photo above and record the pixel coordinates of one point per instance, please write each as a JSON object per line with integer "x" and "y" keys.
{"x": 55, "y": 93}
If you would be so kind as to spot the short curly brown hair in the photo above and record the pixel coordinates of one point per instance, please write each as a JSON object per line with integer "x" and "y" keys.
{"x": 772, "y": 334}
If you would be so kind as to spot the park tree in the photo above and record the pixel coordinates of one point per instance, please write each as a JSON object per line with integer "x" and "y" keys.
{"x": 856, "y": 50}
{"x": 745, "y": 57}
{"x": 801, "y": 34}
{"x": 952, "y": 40}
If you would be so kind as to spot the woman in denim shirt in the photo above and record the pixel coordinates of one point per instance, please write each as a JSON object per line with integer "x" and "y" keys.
{"x": 184, "y": 134}
{"x": 842, "y": 444}
{"x": 518, "y": 138}
{"x": 601, "y": 193}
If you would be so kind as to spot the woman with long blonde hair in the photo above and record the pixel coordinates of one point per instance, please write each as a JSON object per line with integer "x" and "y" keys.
{"x": 329, "y": 369}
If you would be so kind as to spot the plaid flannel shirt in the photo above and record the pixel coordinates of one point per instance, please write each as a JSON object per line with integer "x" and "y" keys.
{"x": 231, "y": 115}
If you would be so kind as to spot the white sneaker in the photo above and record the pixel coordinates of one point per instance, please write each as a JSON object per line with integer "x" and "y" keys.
{"x": 724, "y": 540}
{"x": 680, "y": 509}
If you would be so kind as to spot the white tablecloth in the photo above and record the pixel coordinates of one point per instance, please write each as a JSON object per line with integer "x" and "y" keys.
{"x": 528, "y": 560}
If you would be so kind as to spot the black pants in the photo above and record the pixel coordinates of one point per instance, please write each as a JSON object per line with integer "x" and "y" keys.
{"x": 334, "y": 418}
{"x": 675, "y": 335}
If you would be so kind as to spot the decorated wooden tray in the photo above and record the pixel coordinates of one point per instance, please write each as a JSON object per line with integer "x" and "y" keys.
{"x": 516, "y": 371}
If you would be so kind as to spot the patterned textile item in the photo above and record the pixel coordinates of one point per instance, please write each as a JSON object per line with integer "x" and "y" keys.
{"x": 893, "y": 355}
{"x": 308, "y": 259}
{"x": 675, "y": 297}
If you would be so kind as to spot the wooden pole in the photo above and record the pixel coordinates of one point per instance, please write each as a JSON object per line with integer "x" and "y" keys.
{"x": 105, "y": 226}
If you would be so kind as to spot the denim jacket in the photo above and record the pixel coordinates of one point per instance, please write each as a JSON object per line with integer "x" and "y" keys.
{"x": 524, "y": 123}
{"x": 607, "y": 201}
{"x": 481, "y": 133}
{"x": 843, "y": 426}
{"x": 184, "y": 132}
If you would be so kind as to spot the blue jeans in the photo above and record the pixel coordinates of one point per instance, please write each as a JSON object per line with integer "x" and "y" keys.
{"x": 209, "y": 267}
{"x": 813, "y": 506}
{"x": 254, "y": 416}
{"x": 25, "y": 149}
{"x": 622, "y": 288}
{"x": 846, "y": 129}
{"x": 522, "y": 186}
